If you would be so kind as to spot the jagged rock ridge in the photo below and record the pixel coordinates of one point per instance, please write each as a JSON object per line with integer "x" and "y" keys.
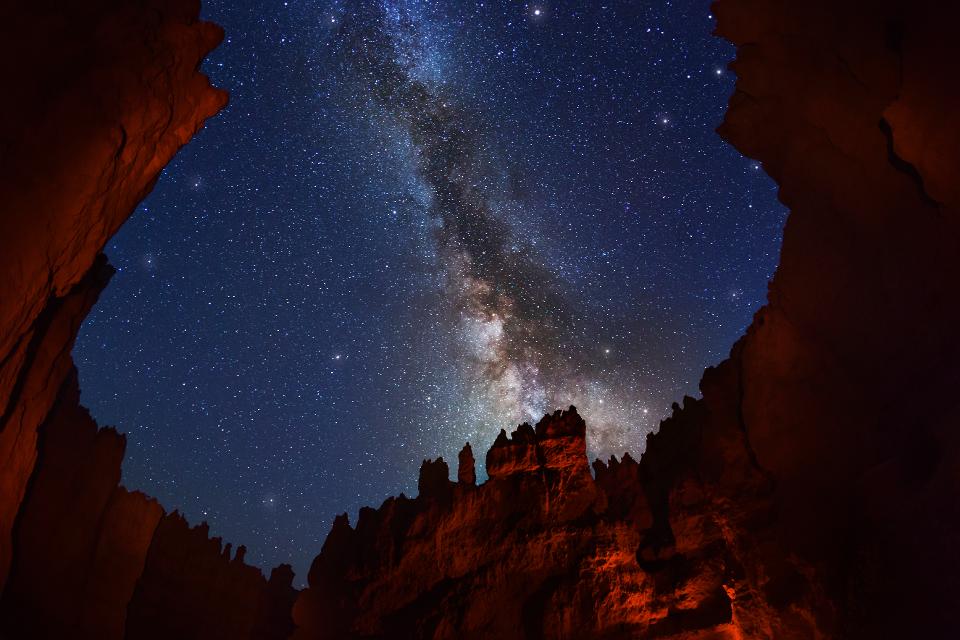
{"x": 539, "y": 550}
{"x": 103, "y": 94}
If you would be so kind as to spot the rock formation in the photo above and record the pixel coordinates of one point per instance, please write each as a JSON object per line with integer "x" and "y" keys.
{"x": 539, "y": 550}
{"x": 104, "y": 93}
{"x": 466, "y": 466}
{"x": 97, "y": 561}
{"x": 811, "y": 492}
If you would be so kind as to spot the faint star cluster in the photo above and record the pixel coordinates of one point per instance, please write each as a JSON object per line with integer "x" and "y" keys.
{"x": 417, "y": 223}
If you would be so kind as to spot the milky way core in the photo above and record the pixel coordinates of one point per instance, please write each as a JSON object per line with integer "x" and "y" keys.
{"x": 521, "y": 340}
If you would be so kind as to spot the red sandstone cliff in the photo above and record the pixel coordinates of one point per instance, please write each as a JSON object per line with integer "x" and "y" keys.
{"x": 539, "y": 550}
{"x": 103, "y": 94}
{"x": 812, "y": 492}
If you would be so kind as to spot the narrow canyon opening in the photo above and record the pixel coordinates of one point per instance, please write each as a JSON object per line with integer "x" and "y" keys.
{"x": 809, "y": 492}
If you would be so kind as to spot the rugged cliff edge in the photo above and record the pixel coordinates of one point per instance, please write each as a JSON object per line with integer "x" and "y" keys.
{"x": 99, "y": 96}
{"x": 539, "y": 550}
{"x": 812, "y": 491}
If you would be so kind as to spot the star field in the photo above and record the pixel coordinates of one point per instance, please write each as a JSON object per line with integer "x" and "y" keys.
{"x": 417, "y": 223}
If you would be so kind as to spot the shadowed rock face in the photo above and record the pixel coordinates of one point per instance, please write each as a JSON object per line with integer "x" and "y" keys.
{"x": 100, "y": 95}
{"x": 466, "y": 466}
{"x": 811, "y": 492}
{"x": 849, "y": 374}
{"x": 106, "y": 92}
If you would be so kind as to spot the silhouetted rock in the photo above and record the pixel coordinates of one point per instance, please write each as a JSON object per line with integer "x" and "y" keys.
{"x": 466, "y": 466}
{"x": 97, "y": 561}
{"x": 434, "y": 480}
{"x": 81, "y": 539}
{"x": 189, "y": 588}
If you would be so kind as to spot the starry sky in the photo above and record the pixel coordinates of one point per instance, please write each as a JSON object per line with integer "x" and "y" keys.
{"x": 415, "y": 224}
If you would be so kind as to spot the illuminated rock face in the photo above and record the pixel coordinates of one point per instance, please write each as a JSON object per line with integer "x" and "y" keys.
{"x": 105, "y": 93}
{"x": 539, "y": 550}
{"x": 812, "y": 492}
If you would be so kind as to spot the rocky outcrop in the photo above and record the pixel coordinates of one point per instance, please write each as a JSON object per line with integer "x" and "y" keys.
{"x": 94, "y": 560}
{"x": 539, "y": 550}
{"x": 191, "y": 587}
{"x": 103, "y": 94}
{"x": 466, "y": 466}
{"x": 81, "y": 539}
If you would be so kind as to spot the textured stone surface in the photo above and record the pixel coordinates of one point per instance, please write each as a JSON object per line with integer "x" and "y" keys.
{"x": 95, "y": 119}
{"x": 106, "y": 92}
{"x": 849, "y": 373}
{"x": 539, "y": 550}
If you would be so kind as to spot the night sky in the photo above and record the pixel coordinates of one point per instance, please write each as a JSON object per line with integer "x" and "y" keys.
{"x": 417, "y": 223}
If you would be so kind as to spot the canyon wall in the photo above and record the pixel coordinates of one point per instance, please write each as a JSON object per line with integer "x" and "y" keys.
{"x": 104, "y": 92}
{"x": 850, "y": 373}
{"x": 811, "y": 492}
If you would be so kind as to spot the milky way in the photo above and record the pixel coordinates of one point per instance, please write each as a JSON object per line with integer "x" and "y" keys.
{"x": 521, "y": 340}
{"x": 417, "y": 223}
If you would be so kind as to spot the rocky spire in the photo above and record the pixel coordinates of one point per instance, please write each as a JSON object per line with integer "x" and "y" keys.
{"x": 466, "y": 469}
{"x": 434, "y": 479}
